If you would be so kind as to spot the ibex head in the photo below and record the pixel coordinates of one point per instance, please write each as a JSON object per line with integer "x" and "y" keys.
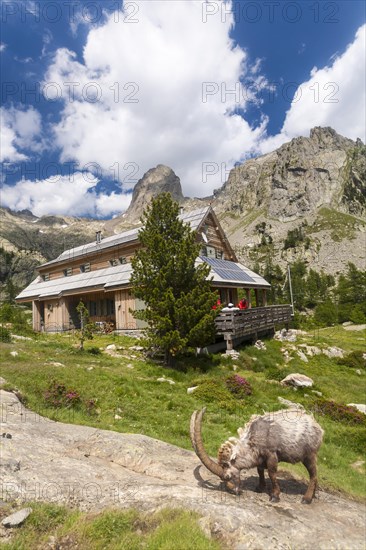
{"x": 225, "y": 467}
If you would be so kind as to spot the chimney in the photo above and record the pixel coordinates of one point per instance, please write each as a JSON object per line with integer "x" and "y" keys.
{"x": 98, "y": 237}
{"x": 181, "y": 210}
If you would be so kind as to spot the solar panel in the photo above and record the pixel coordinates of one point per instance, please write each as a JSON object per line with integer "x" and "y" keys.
{"x": 229, "y": 271}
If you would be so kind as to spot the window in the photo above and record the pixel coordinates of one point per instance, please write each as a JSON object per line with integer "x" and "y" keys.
{"x": 85, "y": 268}
{"x": 123, "y": 260}
{"x": 67, "y": 272}
{"x": 46, "y": 277}
{"x": 110, "y": 307}
{"x": 211, "y": 252}
{"x": 113, "y": 262}
{"x": 219, "y": 254}
{"x": 204, "y": 251}
{"x": 92, "y": 308}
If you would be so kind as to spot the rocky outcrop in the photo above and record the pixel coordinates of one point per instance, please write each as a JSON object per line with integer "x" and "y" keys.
{"x": 298, "y": 178}
{"x": 158, "y": 180}
{"x": 96, "y": 469}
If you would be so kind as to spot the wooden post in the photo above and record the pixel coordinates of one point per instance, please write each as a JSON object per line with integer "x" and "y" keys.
{"x": 256, "y": 297}
{"x": 36, "y": 316}
{"x": 264, "y": 296}
{"x": 249, "y": 298}
{"x": 229, "y": 344}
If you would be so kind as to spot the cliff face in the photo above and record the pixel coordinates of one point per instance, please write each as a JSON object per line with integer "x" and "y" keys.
{"x": 301, "y": 176}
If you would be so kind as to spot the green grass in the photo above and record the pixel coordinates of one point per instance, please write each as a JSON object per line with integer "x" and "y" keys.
{"x": 342, "y": 226}
{"x": 109, "y": 530}
{"x": 162, "y": 411}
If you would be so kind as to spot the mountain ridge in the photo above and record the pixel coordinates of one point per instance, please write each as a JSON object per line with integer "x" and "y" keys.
{"x": 313, "y": 186}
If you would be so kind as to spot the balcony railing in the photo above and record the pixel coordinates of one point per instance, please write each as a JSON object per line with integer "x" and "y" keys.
{"x": 250, "y": 322}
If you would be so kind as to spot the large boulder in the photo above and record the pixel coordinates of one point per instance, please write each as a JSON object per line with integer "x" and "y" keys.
{"x": 16, "y": 519}
{"x": 297, "y": 380}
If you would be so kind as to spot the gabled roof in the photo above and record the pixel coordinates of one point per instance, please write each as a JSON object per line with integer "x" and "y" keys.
{"x": 223, "y": 273}
{"x": 195, "y": 218}
{"x": 99, "y": 279}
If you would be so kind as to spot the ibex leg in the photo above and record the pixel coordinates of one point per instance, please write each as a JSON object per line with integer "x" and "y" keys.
{"x": 310, "y": 464}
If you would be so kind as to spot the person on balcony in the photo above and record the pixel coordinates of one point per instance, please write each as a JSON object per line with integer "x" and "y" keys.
{"x": 230, "y": 307}
{"x": 243, "y": 304}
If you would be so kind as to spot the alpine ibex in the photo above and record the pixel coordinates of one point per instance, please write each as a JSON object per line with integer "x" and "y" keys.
{"x": 288, "y": 435}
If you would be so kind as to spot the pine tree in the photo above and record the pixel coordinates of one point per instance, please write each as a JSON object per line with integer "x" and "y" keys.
{"x": 86, "y": 327}
{"x": 176, "y": 292}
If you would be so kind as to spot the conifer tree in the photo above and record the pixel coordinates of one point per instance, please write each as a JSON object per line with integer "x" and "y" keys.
{"x": 176, "y": 292}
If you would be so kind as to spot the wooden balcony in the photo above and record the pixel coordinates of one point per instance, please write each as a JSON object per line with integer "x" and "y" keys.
{"x": 239, "y": 325}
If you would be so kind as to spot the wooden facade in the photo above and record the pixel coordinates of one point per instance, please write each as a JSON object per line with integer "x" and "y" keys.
{"x": 98, "y": 274}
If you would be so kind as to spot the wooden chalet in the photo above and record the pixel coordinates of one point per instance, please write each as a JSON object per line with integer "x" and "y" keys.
{"x": 99, "y": 275}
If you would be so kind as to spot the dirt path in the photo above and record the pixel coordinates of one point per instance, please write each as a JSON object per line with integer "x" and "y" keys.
{"x": 94, "y": 469}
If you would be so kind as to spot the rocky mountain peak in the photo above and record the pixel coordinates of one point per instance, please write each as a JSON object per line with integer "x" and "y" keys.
{"x": 161, "y": 179}
{"x": 327, "y": 138}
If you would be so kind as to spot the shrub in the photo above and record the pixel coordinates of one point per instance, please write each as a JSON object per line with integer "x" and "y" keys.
{"x": 357, "y": 315}
{"x": 94, "y": 350}
{"x": 214, "y": 390}
{"x": 6, "y": 313}
{"x": 90, "y": 406}
{"x": 339, "y": 412}
{"x": 355, "y": 360}
{"x": 246, "y": 362}
{"x": 273, "y": 373}
{"x": 57, "y": 395}
{"x": 238, "y": 386}
{"x": 326, "y": 314}
{"x": 5, "y": 335}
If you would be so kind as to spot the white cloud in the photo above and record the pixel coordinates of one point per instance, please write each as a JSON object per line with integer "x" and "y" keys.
{"x": 163, "y": 62}
{"x": 60, "y": 195}
{"x": 333, "y": 96}
{"x": 2, "y": 47}
{"x": 19, "y": 129}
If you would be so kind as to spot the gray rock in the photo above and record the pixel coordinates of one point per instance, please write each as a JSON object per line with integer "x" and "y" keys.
{"x": 111, "y": 347}
{"x": 16, "y": 519}
{"x": 137, "y": 348}
{"x": 302, "y": 356}
{"x": 297, "y": 380}
{"x": 2, "y": 381}
{"x": 333, "y": 352}
{"x": 260, "y": 345}
{"x": 290, "y": 404}
{"x": 14, "y": 353}
{"x": 355, "y": 327}
{"x": 163, "y": 379}
{"x": 191, "y": 390}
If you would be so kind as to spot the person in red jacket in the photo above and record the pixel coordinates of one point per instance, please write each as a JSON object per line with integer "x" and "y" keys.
{"x": 243, "y": 304}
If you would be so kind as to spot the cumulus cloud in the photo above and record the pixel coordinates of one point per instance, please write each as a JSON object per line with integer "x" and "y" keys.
{"x": 60, "y": 195}
{"x": 165, "y": 89}
{"x": 2, "y": 47}
{"x": 333, "y": 96}
{"x": 20, "y": 129}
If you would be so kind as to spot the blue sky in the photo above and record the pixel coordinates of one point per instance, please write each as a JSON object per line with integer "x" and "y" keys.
{"x": 97, "y": 92}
